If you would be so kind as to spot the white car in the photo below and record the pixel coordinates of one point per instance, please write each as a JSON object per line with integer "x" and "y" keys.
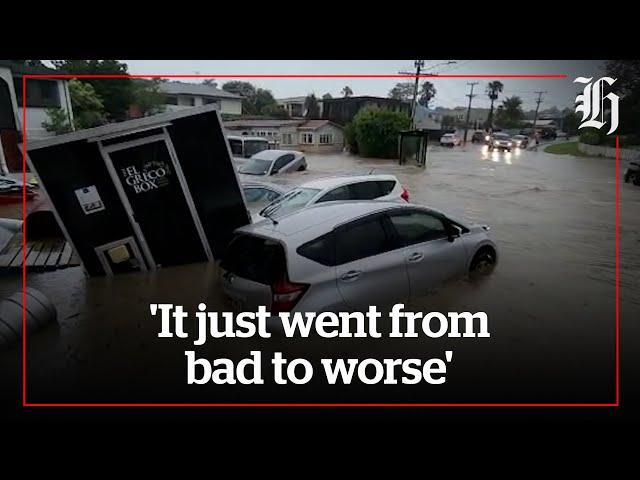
{"x": 450, "y": 140}
{"x": 272, "y": 162}
{"x": 363, "y": 187}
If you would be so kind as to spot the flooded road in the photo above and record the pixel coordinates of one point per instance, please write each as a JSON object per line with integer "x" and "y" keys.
{"x": 550, "y": 301}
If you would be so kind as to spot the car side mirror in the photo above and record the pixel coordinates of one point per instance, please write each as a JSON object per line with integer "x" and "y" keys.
{"x": 452, "y": 232}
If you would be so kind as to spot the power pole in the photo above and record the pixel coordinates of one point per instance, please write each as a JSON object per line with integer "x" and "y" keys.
{"x": 418, "y": 64}
{"x": 466, "y": 124}
{"x": 538, "y": 102}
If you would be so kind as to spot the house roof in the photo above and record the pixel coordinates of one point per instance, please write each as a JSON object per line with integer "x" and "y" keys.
{"x": 21, "y": 68}
{"x": 316, "y": 124}
{"x": 185, "y": 88}
{"x": 250, "y": 123}
{"x": 292, "y": 100}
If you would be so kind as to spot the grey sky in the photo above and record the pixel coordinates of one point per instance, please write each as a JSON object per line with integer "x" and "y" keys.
{"x": 451, "y": 92}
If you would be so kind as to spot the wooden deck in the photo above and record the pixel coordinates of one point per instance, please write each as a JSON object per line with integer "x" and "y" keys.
{"x": 41, "y": 255}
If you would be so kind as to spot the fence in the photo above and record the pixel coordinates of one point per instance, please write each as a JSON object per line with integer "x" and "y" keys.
{"x": 609, "y": 152}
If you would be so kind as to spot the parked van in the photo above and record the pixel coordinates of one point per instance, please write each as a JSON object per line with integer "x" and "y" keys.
{"x": 244, "y": 146}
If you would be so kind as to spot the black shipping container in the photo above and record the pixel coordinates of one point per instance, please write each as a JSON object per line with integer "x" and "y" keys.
{"x": 143, "y": 194}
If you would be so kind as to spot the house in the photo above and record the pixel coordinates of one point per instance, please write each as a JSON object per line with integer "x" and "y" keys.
{"x": 181, "y": 95}
{"x": 41, "y": 94}
{"x": 297, "y": 134}
{"x": 294, "y": 106}
{"x": 342, "y": 110}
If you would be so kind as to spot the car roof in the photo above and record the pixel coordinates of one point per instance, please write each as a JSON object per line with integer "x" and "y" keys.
{"x": 332, "y": 182}
{"x": 272, "y": 186}
{"x": 302, "y": 225}
{"x": 273, "y": 154}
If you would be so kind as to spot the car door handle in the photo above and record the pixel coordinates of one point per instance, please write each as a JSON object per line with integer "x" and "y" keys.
{"x": 350, "y": 276}
{"x": 415, "y": 257}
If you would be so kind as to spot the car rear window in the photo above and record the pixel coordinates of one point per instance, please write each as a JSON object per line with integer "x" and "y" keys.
{"x": 369, "y": 190}
{"x": 254, "y": 258}
{"x": 321, "y": 250}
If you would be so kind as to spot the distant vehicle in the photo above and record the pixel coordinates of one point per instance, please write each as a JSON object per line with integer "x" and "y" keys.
{"x": 561, "y": 135}
{"x": 244, "y": 146}
{"x": 520, "y": 141}
{"x": 260, "y": 194}
{"x": 450, "y": 140}
{"x": 633, "y": 173}
{"x": 347, "y": 256}
{"x": 478, "y": 136}
{"x": 500, "y": 141}
{"x": 363, "y": 187}
{"x": 548, "y": 134}
{"x": 272, "y": 162}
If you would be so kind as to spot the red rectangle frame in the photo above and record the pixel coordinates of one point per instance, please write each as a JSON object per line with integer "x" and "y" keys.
{"x": 26, "y": 404}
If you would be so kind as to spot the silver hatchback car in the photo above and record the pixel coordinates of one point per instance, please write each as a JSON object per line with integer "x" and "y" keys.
{"x": 346, "y": 256}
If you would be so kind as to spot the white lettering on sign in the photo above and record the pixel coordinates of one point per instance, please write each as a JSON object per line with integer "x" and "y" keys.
{"x": 153, "y": 176}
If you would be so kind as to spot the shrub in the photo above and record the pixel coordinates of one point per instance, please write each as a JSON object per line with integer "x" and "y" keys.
{"x": 376, "y": 131}
{"x": 350, "y": 138}
{"x": 591, "y": 136}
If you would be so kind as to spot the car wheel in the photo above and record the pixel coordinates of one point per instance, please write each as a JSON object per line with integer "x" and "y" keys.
{"x": 483, "y": 263}
{"x": 302, "y": 168}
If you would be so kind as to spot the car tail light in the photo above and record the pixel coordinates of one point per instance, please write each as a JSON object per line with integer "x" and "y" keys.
{"x": 405, "y": 194}
{"x": 286, "y": 294}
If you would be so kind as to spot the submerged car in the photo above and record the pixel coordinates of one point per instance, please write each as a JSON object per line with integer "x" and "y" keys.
{"x": 450, "y": 140}
{"x": 350, "y": 255}
{"x": 272, "y": 162}
{"x": 479, "y": 136}
{"x": 500, "y": 141}
{"x": 257, "y": 195}
{"x": 364, "y": 187}
{"x": 520, "y": 141}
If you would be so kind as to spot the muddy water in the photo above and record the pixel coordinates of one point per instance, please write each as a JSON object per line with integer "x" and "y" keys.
{"x": 550, "y": 301}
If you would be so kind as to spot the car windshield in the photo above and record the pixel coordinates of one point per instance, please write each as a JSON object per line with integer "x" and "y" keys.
{"x": 256, "y": 167}
{"x": 519, "y": 137}
{"x": 252, "y": 147}
{"x": 501, "y": 136}
{"x": 290, "y": 202}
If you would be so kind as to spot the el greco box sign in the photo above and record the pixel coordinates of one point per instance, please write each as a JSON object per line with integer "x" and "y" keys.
{"x": 165, "y": 185}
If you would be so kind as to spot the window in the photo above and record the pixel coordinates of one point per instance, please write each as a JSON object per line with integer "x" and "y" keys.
{"x": 386, "y": 186}
{"x": 340, "y": 193}
{"x": 321, "y": 250}
{"x": 292, "y": 201}
{"x": 417, "y": 227}
{"x": 287, "y": 139}
{"x": 259, "y": 194}
{"x": 255, "y": 258}
{"x": 191, "y": 101}
{"x": 364, "y": 191}
{"x": 171, "y": 100}
{"x": 236, "y": 147}
{"x": 209, "y": 101}
{"x": 40, "y": 93}
{"x": 282, "y": 161}
{"x": 306, "y": 138}
{"x": 362, "y": 239}
{"x": 326, "y": 138}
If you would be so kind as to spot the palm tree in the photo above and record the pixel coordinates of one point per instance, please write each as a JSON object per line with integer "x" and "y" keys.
{"x": 427, "y": 92}
{"x": 493, "y": 89}
{"x": 346, "y": 91}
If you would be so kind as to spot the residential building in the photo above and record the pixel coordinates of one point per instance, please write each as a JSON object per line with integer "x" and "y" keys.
{"x": 41, "y": 94}
{"x": 296, "y": 134}
{"x": 294, "y": 106}
{"x": 342, "y": 110}
{"x": 181, "y": 95}
{"x": 457, "y": 116}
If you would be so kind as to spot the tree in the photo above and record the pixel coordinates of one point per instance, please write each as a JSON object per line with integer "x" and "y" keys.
{"x": 426, "y": 93}
{"x": 346, "y": 91}
{"x": 311, "y": 106}
{"x": 88, "y": 110}
{"x": 376, "y": 131}
{"x": 276, "y": 111}
{"x": 402, "y": 91}
{"x": 210, "y": 82}
{"x": 510, "y": 114}
{"x": 493, "y": 90}
{"x": 148, "y": 97}
{"x": 255, "y": 100}
{"x": 116, "y": 94}
{"x": 327, "y": 96}
{"x": 570, "y": 123}
{"x": 627, "y": 87}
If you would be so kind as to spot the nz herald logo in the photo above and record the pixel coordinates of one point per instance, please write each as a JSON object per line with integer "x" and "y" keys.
{"x": 592, "y": 104}
{"x": 153, "y": 175}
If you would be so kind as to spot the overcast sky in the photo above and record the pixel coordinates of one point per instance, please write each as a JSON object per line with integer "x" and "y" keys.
{"x": 450, "y": 92}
